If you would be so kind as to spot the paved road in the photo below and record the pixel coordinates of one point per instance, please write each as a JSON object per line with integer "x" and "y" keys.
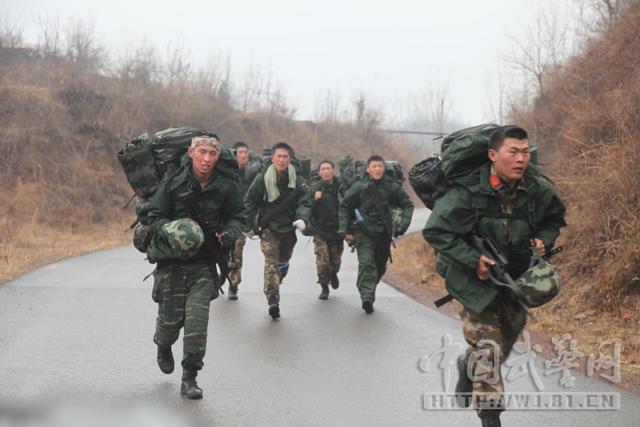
{"x": 76, "y": 349}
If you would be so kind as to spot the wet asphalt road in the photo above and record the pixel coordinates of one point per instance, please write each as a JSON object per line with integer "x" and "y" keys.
{"x": 76, "y": 349}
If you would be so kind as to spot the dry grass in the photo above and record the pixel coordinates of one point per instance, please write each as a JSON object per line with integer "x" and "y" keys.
{"x": 30, "y": 246}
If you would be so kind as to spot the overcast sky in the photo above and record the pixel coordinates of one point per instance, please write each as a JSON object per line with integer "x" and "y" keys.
{"x": 389, "y": 49}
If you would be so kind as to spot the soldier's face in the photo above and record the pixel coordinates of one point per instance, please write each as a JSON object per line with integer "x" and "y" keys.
{"x": 511, "y": 159}
{"x": 281, "y": 159}
{"x": 326, "y": 172}
{"x": 375, "y": 170}
{"x": 204, "y": 158}
{"x": 242, "y": 156}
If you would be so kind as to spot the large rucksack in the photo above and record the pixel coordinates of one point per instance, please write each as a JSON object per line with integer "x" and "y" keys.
{"x": 461, "y": 152}
{"x": 146, "y": 161}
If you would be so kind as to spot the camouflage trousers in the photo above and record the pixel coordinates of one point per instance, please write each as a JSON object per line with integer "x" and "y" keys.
{"x": 491, "y": 336}
{"x": 373, "y": 254}
{"x": 183, "y": 291}
{"x": 277, "y": 249}
{"x": 235, "y": 261}
{"x": 328, "y": 258}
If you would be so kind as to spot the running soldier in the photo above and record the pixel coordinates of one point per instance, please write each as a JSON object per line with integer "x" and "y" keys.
{"x": 276, "y": 205}
{"x": 194, "y": 214}
{"x": 368, "y": 203}
{"x": 519, "y": 210}
{"x": 328, "y": 244}
{"x": 246, "y": 178}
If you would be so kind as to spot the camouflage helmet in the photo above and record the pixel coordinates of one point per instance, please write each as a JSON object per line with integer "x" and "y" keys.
{"x": 539, "y": 284}
{"x": 179, "y": 239}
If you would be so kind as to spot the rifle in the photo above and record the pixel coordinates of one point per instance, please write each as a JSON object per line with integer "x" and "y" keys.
{"x": 211, "y": 244}
{"x": 498, "y": 273}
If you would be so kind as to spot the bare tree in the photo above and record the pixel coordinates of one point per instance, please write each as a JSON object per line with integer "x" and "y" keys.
{"x": 140, "y": 66}
{"x": 178, "y": 68}
{"x": 82, "y": 46}
{"x": 597, "y": 16}
{"x": 542, "y": 48}
{"x": 49, "y": 39}
{"x": 11, "y": 33}
{"x": 327, "y": 108}
{"x": 367, "y": 116}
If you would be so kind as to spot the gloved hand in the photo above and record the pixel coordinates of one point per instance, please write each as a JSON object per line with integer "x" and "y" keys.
{"x": 225, "y": 239}
{"x": 299, "y": 224}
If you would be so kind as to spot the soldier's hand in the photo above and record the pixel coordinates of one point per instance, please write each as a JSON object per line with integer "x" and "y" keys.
{"x": 482, "y": 270}
{"x": 540, "y": 245}
{"x": 225, "y": 239}
{"x": 317, "y": 195}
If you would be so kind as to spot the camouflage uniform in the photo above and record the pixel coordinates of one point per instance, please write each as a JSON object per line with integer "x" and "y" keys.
{"x": 235, "y": 259}
{"x": 481, "y": 203}
{"x": 328, "y": 244}
{"x": 277, "y": 237}
{"x": 184, "y": 287}
{"x": 370, "y": 237}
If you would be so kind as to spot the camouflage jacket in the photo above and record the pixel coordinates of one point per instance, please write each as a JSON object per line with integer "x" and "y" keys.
{"x": 324, "y": 212}
{"x": 358, "y": 196}
{"x": 256, "y": 205}
{"x": 219, "y": 201}
{"x": 475, "y": 205}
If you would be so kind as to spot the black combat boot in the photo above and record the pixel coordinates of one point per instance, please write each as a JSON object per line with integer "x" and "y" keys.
{"x": 274, "y": 306}
{"x": 464, "y": 386}
{"x": 189, "y": 387}
{"x": 325, "y": 292}
{"x": 165, "y": 359}
{"x": 490, "y": 417}
{"x": 367, "y": 306}
{"x": 335, "y": 283}
{"x": 233, "y": 292}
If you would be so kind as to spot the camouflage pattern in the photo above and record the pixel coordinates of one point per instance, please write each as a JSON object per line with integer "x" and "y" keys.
{"x": 184, "y": 236}
{"x": 277, "y": 249}
{"x": 184, "y": 292}
{"x": 235, "y": 261}
{"x": 328, "y": 258}
{"x": 373, "y": 254}
{"x": 178, "y": 239}
{"x": 539, "y": 284}
{"x": 491, "y": 335}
